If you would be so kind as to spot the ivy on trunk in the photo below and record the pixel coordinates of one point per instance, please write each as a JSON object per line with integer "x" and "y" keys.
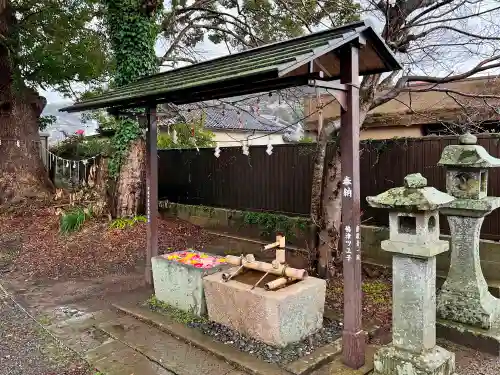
{"x": 132, "y": 26}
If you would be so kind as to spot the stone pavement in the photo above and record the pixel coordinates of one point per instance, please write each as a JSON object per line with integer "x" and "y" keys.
{"x": 118, "y": 345}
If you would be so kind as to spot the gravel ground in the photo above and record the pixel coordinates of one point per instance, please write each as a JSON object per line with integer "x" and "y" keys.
{"x": 329, "y": 333}
{"x": 25, "y": 349}
{"x": 472, "y": 362}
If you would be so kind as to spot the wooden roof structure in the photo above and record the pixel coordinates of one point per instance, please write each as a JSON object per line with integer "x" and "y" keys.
{"x": 315, "y": 60}
{"x": 270, "y": 67}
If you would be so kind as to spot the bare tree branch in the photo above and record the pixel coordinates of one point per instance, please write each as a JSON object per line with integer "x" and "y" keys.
{"x": 403, "y": 81}
{"x": 438, "y": 19}
{"x": 456, "y": 92}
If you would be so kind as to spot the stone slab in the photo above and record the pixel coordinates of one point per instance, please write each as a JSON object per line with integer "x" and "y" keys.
{"x": 239, "y": 359}
{"x": 390, "y": 360}
{"x": 173, "y": 354}
{"x": 115, "y": 358}
{"x": 177, "y": 278}
{"x": 277, "y": 317}
{"x": 336, "y": 367}
{"x": 487, "y": 341}
{"x": 80, "y": 333}
{"x": 428, "y": 250}
{"x": 318, "y": 358}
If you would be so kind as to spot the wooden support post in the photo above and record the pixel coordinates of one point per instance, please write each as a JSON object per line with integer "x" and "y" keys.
{"x": 151, "y": 191}
{"x": 353, "y": 337}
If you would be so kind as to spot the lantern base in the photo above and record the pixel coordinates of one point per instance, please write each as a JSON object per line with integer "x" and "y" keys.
{"x": 393, "y": 361}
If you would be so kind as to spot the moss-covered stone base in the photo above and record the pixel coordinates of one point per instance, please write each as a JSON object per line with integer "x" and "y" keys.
{"x": 392, "y": 361}
{"x": 467, "y": 307}
{"x": 487, "y": 341}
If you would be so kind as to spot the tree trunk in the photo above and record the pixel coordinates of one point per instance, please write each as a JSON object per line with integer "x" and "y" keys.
{"x": 130, "y": 185}
{"x": 22, "y": 173}
{"x": 330, "y": 204}
{"x": 316, "y": 194}
{"x": 328, "y": 247}
{"x": 135, "y": 57}
{"x": 317, "y": 179}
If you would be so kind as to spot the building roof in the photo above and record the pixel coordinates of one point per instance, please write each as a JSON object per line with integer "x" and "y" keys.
{"x": 419, "y": 108}
{"x": 216, "y": 118}
{"x": 269, "y": 67}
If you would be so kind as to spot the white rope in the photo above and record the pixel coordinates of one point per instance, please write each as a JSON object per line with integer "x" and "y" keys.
{"x": 68, "y": 161}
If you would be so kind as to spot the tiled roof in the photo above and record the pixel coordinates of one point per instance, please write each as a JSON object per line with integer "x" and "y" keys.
{"x": 269, "y": 67}
{"x": 216, "y": 118}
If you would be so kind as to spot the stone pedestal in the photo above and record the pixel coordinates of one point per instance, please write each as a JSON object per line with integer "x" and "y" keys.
{"x": 468, "y": 312}
{"x": 464, "y": 297}
{"x": 178, "y": 278}
{"x": 393, "y": 361}
{"x": 413, "y": 350}
{"x": 414, "y": 241}
{"x": 276, "y": 317}
{"x": 414, "y": 316}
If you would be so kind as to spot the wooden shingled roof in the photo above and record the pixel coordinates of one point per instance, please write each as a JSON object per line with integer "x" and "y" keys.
{"x": 269, "y": 67}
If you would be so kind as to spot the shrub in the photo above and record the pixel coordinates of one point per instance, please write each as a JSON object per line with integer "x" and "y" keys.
{"x": 79, "y": 147}
{"x": 72, "y": 221}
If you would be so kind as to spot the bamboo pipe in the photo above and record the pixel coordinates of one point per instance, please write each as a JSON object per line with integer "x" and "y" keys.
{"x": 228, "y": 276}
{"x": 275, "y": 284}
{"x": 280, "y": 256}
{"x": 258, "y": 282}
{"x": 234, "y": 260}
{"x": 280, "y": 242}
{"x": 271, "y": 245}
{"x": 281, "y": 270}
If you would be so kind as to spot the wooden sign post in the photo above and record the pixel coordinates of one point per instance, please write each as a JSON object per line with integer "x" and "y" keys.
{"x": 353, "y": 337}
{"x": 151, "y": 191}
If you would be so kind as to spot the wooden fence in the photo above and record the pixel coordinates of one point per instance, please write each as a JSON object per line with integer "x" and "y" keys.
{"x": 282, "y": 182}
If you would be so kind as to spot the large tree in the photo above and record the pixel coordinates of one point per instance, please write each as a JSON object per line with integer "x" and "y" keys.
{"x": 438, "y": 41}
{"x": 132, "y": 27}
{"x": 43, "y": 44}
{"x": 243, "y": 24}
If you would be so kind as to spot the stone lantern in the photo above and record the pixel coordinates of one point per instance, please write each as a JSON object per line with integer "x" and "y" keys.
{"x": 467, "y": 167}
{"x": 414, "y": 242}
{"x": 464, "y": 301}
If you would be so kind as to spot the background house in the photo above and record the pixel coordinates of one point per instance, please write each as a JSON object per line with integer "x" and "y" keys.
{"x": 416, "y": 114}
{"x": 234, "y": 124}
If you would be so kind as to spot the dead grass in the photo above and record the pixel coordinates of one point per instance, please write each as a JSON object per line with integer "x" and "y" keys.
{"x": 95, "y": 250}
{"x": 377, "y": 298}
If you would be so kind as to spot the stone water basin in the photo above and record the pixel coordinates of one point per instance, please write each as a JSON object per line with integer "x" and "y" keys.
{"x": 276, "y": 317}
{"x": 178, "y": 278}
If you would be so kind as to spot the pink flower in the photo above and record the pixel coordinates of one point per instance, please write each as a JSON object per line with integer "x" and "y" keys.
{"x": 79, "y": 132}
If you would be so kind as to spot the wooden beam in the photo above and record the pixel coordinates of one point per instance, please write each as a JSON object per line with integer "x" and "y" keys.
{"x": 151, "y": 191}
{"x": 353, "y": 337}
{"x": 330, "y": 85}
{"x": 337, "y": 90}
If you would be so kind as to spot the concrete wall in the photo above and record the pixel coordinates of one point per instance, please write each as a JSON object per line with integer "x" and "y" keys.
{"x": 234, "y": 138}
{"x": 246, "y": 238}
{"x": 389, "y": 132}
{"x": 231, "y": 222}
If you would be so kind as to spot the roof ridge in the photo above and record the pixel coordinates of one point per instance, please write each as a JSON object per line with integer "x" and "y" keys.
{"x": 270, "y": 45}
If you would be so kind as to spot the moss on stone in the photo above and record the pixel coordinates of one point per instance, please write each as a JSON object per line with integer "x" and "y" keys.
{"x": 469, "y": 156}
{"x": 410, "y": 199}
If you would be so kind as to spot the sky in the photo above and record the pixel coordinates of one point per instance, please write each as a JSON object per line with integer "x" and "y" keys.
{"x": 207, "y": 49}
{"x": 450, "y": 66}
